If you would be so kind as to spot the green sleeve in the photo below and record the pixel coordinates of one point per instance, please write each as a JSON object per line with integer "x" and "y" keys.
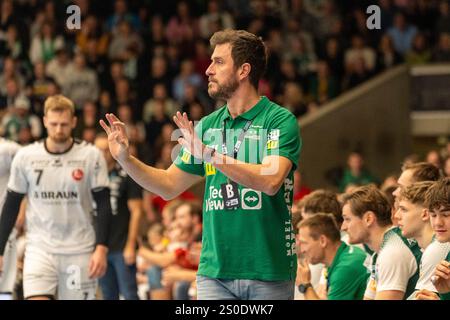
{"x": 346, "y": 284}
{"x": 283, "y": 138}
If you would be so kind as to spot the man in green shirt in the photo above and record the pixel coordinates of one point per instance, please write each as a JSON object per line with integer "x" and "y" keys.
{"x": 320, "y": 242}
{"x": 247, "y": 151}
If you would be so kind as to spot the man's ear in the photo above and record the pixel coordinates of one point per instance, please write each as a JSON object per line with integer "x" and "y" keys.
{"x": 425, "y": 215}
{"x": 74, "y": 122}
{"x": 323, "y": 241}
{"x": 369, "y": 218}
{"x": 244, "y": 70}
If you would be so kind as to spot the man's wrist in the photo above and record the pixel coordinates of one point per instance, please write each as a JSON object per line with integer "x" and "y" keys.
{"x": 303, "y": 287}
{"x": 101, "y": 248}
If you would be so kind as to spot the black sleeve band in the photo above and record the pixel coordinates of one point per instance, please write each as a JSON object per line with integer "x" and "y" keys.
{"x": 104, "y": 213}
{"x": 9, "y": 215}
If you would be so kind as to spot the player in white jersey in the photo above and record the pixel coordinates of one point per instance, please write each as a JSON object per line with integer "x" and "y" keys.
{"x": 62, "y": 178}
{"x": 8, "y": 149}
{"x": 414, "y": 222}
{"x": 438, "y": 204}
{"x": 367, "y": 219}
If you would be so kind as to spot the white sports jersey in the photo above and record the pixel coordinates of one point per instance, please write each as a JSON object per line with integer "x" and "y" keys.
{"x": 433, "y": 254}
{"x": 60, "y": 204}
{"x": 8, "y": 149}
{"x": 395, "y": 266}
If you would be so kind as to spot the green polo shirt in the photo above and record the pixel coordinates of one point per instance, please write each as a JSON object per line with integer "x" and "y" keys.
{"x": 255, "y": 241}
{"x": 347, "y": 276}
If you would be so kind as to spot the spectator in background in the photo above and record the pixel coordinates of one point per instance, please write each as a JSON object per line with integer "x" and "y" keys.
{"x": 402, "y": 33}
{"x": 182, "y": 28}
{"x": 11, "y": 44}
{"x": 81, "y": 83}
{"x": 387, "y": 14}
{"x": 293, "y": 98}
{"x": 214, "y": 20}
{"x": 19, "y": 119}
{"x": 60, "y": 66}
{"x": 302, "y": 59}
{"x": 123, "y": 94}
{"x": 88, "y": 119}
{"x": 357, "y": 73}
{"x": 442, "y": 52}
{"x": 420, "y": 53}
{"x": 187, "y": 75}
{"x": 334, "y": 57}
{"x": 122, "y": 39}
{"x": 443, "y": 21}
{"x": 126, "y": 204}
{"x": 91, "y": 30}
{"x": 45, "y": 44}
{"x": 433, "y": 157}
{"x": 158, "y": 74}
{"x": 355, "y": 173}
{"x": 157, "y": 119}
{"x": 323, "y": 85}
{"x": 201, "y": 58}
{"x": 12, "y": 93}
{"x": 37, "y": 88}
{"x": 387, "y": 56}
{"x": 11, "y": 72}
{"x": 159, "y": 98}
{"x": 135, "y": 129}
{"x": 121, "y": 13}
{"x": 359, "y": 50}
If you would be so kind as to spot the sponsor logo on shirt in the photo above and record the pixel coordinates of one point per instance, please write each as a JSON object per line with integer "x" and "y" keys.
{"x": 251, "y": 199}
{"x": 77, "y": 174}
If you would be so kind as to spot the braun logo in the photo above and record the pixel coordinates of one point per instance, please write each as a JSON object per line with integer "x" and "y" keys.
{"x": 56, "y": 195}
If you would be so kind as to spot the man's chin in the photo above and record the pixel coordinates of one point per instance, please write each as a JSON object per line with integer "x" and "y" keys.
{"x": 60, "y": 140}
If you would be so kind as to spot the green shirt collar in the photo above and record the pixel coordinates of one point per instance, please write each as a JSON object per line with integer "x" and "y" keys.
{"x": 340, "y": 250}
{"x": 249, "y": 114}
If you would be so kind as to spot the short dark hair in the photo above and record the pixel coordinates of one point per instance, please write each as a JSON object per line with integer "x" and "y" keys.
{"x": 322, "y": 224}
{"x": 323, "y": 201}
{"x": 369, "y": 198}
{"x": 423, "y": 171}
{"x": 245, "y": 48}
{"x": 438, "y": 195}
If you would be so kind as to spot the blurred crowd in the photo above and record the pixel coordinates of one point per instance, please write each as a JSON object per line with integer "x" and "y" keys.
{"x": 144, "y": 60}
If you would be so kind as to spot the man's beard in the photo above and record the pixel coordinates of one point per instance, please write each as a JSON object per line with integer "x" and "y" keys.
{"x": 225, "y": 91}
{"x": 60, "y": 139}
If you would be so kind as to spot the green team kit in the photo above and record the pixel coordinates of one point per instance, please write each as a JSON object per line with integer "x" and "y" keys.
{"x": 250, "y": 235}
{"x": 347, "y": 275}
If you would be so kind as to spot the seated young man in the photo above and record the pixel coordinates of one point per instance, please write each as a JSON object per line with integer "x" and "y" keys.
{"x": 367, "y": 219}
{"x": 414, "y": 222}
{"x": 438, "y": 204}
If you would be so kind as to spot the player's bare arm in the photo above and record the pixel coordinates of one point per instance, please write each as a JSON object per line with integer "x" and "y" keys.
{"x": 165, "y": 183}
